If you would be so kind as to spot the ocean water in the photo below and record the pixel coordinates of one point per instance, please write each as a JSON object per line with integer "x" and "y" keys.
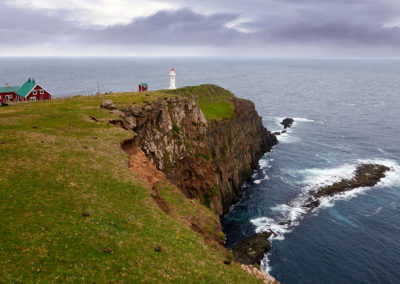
{"x": 346, "y": 112}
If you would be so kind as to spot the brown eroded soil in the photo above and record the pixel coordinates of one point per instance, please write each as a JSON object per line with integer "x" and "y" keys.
{"x": 143, "y": 167}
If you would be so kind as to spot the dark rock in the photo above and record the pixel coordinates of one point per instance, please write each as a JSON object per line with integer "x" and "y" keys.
{"x": 287, "y": 122}
{"x": 366, "y": 175}
{"x": 310, "y": 204}
{"x": 251, "y": 251}
{"x": 227, "y": 262}
{"x": 157, "y": 248}
{"x": 85, "y": 147}
{"x": 4, "y": 104}
{"x": 108, "y": 250}
{"x": 120, "y": 123}
{"x": 283, "y": 223}
{"x": 93, "y": 118}
{"x": 283, "y": 131}
{"x": 35, "y": 127}
{"x": 277, "y": 133}
{"x": 95, "y": 138}
{"x": 85, "y": 214}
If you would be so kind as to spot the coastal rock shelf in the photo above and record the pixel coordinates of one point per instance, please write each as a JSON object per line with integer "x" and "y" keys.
{"x": 252, "y": 250}
{"x": 366, "y": 175}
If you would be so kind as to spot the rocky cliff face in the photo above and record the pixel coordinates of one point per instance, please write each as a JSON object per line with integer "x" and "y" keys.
{"x": 205, "y": 160}
{"x": 236, "y": 145}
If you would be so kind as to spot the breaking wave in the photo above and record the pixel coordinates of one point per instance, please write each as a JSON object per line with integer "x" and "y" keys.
{"x": 289, "y": 215}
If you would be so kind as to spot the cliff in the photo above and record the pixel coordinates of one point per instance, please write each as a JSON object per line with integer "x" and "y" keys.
{"x": 73, "y": 211}
{"x": 207, "y": 159}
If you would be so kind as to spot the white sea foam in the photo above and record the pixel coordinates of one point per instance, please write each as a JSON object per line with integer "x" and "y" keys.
{"x": 302, "y": 119}
{"x": 326, "y": 176}
{"x": 289, "y": 215}
{"x": 286, "y": 138}
{"x": 264, "y": 163}
{"x": 382, "y": 151}
{"x": 265, "y": 263}
{"x": 279, "y": 119}
{"x": 377, "y": 211}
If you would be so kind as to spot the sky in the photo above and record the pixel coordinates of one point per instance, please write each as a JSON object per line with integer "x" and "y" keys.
{"x": 271, "y": 28}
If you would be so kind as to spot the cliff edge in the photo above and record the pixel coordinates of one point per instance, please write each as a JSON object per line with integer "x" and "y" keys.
{"x": 204, "y": 139}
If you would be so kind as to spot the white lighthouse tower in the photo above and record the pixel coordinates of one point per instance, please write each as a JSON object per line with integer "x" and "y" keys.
{"x": 172, "y": 76}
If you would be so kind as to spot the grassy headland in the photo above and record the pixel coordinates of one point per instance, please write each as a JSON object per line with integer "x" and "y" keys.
{"x": 56, "y": 164}
{"x": 214, "y": 101}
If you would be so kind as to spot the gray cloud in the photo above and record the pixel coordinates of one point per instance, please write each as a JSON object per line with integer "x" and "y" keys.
{"x": 182, "y": 27}
{"x": 24, "y": 26}
{"x": 330, "y": 25}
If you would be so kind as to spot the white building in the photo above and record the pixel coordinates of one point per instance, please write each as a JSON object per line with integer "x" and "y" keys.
{"x": 172, "y": 76}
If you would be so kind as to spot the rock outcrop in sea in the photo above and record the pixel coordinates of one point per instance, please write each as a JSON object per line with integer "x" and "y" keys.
{"x": 287, "y": 122}
{"x": 251, "y": 250}
{"x": 366, "y": 175}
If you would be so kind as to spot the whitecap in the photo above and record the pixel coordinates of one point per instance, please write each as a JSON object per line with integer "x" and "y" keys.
{"x": 382, "y": 151}
{"x": 286, "y": 138}
{"x": 302, "y": 119}
{"x": 289, "y": 215}
{"x": 377, "y": 211}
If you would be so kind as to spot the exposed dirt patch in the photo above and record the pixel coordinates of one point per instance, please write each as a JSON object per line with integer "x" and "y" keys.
{"x": 143, "y": 167}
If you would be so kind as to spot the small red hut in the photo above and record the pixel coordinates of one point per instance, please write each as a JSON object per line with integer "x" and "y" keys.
{"x": 143, "y": 87}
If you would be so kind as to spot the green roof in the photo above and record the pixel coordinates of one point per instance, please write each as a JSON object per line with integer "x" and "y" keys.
{"x": 11, "y": 89}
{"x": 143, "y": 84}
{"x": 26, "y": 88}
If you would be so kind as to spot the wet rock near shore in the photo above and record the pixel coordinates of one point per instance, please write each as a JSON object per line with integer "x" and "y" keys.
{"x": 287, "y": 122}
{"x": 366, "y": 175}
{"x": 251, "y": 251}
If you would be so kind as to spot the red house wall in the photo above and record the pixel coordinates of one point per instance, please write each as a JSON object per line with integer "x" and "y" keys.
{"x": 3, "y": 97}
{"x": 38, "y": 96}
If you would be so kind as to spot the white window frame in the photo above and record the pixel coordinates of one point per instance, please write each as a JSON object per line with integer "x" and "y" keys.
{"x": 32, "y": 98}
{"x": 34, "y": 92}
{"x": 42, "y": 92}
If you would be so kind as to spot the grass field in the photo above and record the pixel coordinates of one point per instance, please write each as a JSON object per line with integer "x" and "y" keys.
{"x": 57, "y": 164}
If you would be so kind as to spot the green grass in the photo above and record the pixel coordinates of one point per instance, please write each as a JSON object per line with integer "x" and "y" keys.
{"x": 56, "y": 163}
{"x": 215, "y": 102}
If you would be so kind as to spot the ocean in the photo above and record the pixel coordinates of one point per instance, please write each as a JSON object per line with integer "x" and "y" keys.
{"x": 346, "y": 112}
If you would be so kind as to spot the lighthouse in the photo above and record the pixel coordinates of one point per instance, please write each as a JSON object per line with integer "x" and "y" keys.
{"x": 172, "y": 76}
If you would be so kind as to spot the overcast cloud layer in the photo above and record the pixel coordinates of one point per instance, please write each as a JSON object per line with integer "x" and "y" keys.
{"x": 188, "y": 27}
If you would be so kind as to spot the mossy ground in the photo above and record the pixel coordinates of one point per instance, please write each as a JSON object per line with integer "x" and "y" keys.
{"x": 56, "y": 164}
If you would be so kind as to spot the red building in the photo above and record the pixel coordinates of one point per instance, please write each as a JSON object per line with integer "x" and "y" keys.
{"x": 29, "y": 91}
{"x": 143, "y": 87}
{"x": 7, "y": 93}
